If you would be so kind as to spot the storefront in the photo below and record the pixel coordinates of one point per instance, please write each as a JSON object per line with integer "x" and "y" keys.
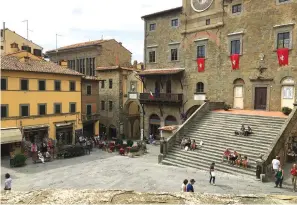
{"x": 10, "y": 141}
{"x": 64, "y": 133}
{"x": 36, "y": 133}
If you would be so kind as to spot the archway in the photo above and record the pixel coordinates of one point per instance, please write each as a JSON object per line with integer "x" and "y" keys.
{"x": 112, "y": 131}
{"x": 170, "y": 120}
{"x": 132, "y": 110}
{"x": 154, "y": 125}
{"x": 238, "y": 93}
{"x": 288, "y": 92}
{"x": 191, "y": 110}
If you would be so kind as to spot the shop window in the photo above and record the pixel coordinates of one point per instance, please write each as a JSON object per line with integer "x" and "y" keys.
{"x": 72, "y": 107}
{"x": 3, "y": 83}
{"x": 42, "y": 109}
{"x": 24, "y": 110}
{"x": 4, "y": 111}
{"x": 57, "y": 85}
{"x": 57, "y": 108}
{"x": 72, "y": 85}
{"x": 41, "y": 85}
{"x": 24, "y": 84}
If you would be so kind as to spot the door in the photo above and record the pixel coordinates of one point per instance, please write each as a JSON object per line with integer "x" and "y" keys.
{"x": 238, "y": 97}
{"x": 261, "y": 98}
{"x": 288, "y": 96}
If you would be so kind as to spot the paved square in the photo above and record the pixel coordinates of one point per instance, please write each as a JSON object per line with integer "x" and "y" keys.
{"x": 102, "y": 170}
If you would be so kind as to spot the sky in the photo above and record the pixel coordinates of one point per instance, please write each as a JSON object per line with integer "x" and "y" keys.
{"x": 82, "y": 20}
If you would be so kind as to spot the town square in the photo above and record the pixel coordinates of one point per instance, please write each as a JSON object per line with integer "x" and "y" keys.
{"x": 146, "y": 101}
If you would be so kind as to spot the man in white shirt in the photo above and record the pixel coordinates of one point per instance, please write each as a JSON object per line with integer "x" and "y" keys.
{"x": 275, "y": 163}
{"x": 8, "y": 181}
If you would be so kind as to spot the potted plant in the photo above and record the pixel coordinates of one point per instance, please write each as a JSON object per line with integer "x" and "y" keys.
{"x": 130, "y": 143}
{"x": 19, "y": 160}
{"x": 286, "y": 110}
{"x": 227, "y": 107}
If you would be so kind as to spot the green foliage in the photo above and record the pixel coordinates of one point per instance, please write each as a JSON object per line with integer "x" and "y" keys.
{"x": 73, "y": 151}
{"x": 286, "y": 110}
{"x": 19, "y": 160}
{"x": 227, "y": 107}
{"x": 130, "y": 143}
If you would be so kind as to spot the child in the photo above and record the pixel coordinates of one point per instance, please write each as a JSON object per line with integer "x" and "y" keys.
{"x": 245, "y": 162}
{"x": 184, "y": 185}
{"x": 8, "y": 181}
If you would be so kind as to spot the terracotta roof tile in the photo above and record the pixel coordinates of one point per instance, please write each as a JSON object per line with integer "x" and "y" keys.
{"x": 163, "y": 71}
{"x": 114, "y": 68}
{"x": 13, "y": 63}
{"x": 79, "y": 45}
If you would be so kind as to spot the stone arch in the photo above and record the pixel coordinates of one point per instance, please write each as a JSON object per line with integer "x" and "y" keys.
{"x": 191, "y": 110}
{"x": 128, "y": 103}
{"x": 288, "y": 80}
{"x": 133, "y": 110}
{"x": 170, "y": 120}
{"x": 238, "y": 81}
{"x": 238, "y": 93}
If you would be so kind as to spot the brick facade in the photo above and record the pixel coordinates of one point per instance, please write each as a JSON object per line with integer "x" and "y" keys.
{"x": 256, "y": 26}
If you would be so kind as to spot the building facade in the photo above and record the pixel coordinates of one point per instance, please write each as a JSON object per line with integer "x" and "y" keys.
{"x": 251, "y": 33}
{"x": 120, "y": 111}
{"x": 39, "y": 99}
{"x": 85, "y": 58}
{"x": 11, "y": 42}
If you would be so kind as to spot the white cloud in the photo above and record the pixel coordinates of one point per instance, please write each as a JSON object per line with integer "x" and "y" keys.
{"x": 46, "y": 18}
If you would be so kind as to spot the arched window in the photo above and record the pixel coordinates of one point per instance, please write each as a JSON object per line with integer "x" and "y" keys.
{"x": 200, "y": 87}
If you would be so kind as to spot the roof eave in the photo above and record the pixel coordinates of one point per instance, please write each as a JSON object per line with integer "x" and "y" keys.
{"x": 177, "y": 9}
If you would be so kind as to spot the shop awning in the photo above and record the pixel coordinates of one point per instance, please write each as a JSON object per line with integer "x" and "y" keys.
{"x": 10, "y": 135}
{"x": 36, "y": 127}
{"x": 64, "y": 124}
{"x": 163, "y": 71}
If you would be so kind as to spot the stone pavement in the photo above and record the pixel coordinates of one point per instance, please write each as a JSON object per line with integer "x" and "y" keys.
{"x": 102, "y": 170}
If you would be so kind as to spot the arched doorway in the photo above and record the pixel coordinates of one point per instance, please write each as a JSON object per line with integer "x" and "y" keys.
{"x": 132, "y": 112}
{"x": 238, "y": 92}
{"x": 288, "y": 92}
{"x": 112, "y": 131}
{"x": 154, "y": 125}
{"x": 191, "y": 110}
{"x": 170, "y": 120}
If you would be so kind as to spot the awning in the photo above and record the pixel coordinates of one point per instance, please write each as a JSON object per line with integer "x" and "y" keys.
{"x": 36, "y": 127}
{"x": 10, "y": 135}
{"x": 163, "y": 71}
{"x": 67, "y": 124}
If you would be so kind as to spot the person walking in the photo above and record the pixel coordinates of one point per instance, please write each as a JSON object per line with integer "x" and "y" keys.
{"x": 212, "y": 174}
{"x": 275, "y": 164}
{"x": 7, "y": 183}
{"x": 184, "y": 185}
{"x": 294, "y": 176}
{"x": 279, "y": 177}
{"x": 190, "y": 187}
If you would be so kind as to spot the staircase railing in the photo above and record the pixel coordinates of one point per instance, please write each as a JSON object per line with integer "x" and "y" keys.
{"x": 200, "y": 112}
{"x": 279, "y": 142}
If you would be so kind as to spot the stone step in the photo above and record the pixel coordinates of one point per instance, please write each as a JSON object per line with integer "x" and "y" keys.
{"x": 218, "y": 152}
{"x": 238, "y": 123}
{"x": 230, "y": 115}
{"x": 204, "y": 165}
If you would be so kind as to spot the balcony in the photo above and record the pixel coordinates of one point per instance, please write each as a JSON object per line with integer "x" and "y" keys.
{"x": 92, "y": 117}
{"x": 161, "y": 98}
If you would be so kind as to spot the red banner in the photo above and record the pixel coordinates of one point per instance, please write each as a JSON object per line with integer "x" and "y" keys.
{"x": 201, "y": 64}
{"x": 235, "y": 61}
{"x": 283, "y": 56}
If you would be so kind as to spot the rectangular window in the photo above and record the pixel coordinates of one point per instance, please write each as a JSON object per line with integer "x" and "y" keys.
{"x": 102, "y": 105}
{"x": 24, "y": 110}
{"x": 110, "y": 83}
{"x": 152, "y": 26}
{"x": 110, "y": 106}
{"x": 174, "y": 22}
{"x": 37, "y": 52}
{"x": 152, "y": 56}
{"x": 89, "y": 90}
{"x": 57, "y": 108}
{"x": 42, "y": 109}
{"x": 72, "y": 107}
{"x": 236, "y": 8}
{"x": 174, "y": 54}
{"x": 3, "y": 83}
{"x": 24, "y": 84}
{"x": 72, "y": 85}
{"x": 4, "y": 111}
{"x": 201, "y": 51}
{"x": 207, "y": 22}
{"x": 102, "y": 84}
{"x": 41, "y": 85}
{"x": 235, "y": 47}
{"x": 26, "y": 48}
{"x": 89, "y": 109}
{"x": 283, "y": 40}
{"x": 57, "y": 85}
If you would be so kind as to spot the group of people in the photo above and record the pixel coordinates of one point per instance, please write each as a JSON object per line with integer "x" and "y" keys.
{"x": 188, "y": 144}
{"x": 43, "y": 152}
{"x": 244, "y": 131}
{"x": 234, "y": 158}
{"x": 279, "y": 173}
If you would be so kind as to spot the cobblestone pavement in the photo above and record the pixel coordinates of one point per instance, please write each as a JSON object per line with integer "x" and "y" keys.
{"x": 102, "y": 170}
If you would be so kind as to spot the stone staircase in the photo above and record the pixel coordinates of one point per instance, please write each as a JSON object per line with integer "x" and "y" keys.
{"x": 216, "y": 130}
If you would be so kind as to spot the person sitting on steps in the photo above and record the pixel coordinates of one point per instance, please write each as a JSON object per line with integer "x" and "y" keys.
{"x": 248, "y": 131}
{"x": 239, "y": 160}
{"x": 183, "y": 143}
{"x": 193, "y": 145}
{"x": 188, "y": 143}
{"x": 245, "y": 162}
{"x": 226, "y": 155}
{"x": 233, "y": 157}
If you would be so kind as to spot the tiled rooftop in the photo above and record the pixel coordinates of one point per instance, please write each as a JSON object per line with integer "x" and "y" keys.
{"x": 13, "y": 63}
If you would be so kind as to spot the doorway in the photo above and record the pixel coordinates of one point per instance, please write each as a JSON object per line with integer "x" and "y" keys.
{"x": 260, "y": 98}
{"x": 238, "y": 97}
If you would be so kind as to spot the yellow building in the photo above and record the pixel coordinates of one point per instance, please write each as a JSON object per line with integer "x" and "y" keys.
{"x": 11, "y": 42}
{"x": 38, "y": 98}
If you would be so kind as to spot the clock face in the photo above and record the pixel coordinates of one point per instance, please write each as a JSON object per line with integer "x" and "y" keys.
{"x": 201, "y": 5}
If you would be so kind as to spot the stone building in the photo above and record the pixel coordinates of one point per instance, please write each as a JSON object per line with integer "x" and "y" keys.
{"x": 85, "y": 58}
{"x": 120, "y": 111}
{"x": 215, "y": 31}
